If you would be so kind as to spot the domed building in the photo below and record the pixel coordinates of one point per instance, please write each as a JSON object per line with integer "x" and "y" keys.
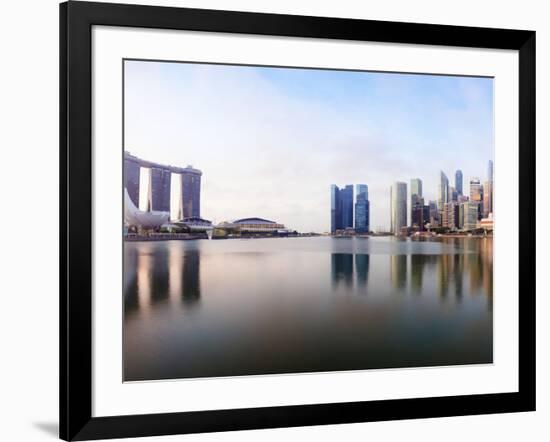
{"x": 258, "y": 225}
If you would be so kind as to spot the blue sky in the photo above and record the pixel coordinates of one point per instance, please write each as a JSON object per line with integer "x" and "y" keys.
{"x": 271, "y": 141}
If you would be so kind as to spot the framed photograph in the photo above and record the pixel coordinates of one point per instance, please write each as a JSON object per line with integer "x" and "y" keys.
{"x": 273, "y": 220}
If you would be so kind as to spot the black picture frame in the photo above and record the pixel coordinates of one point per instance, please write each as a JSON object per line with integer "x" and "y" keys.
{"x": 76, "y": 21}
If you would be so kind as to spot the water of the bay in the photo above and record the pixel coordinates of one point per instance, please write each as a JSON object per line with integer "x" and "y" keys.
{"x": 261, "y": 306}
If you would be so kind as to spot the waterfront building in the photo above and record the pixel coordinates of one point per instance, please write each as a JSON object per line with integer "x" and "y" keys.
{"x": 450, "y": 215}
{"x": 470, "y": 212}
{"x": 476, "y": 194}
{"x": 487, "y": 198}
{"x": 257, "y": 225}
{"x": 460, "y": 217}
{"x": 488, "y": 191}
{"x": 362, "y": 216}
{"x": 159, "y": 189}
{"x": 131, "y": 177}
{"x": 133, "y": 217}
{"x": 190, "y": 195}
{"x": 486, "y": 223}
{"x": 453, "y": 194}
{"x": 442, "y": 192}
{"x": 335, "y": 209}
{"x": 346, "y": 196}
{"x": 433, "y": 214}
{"x": 419, "y": 214}
{"x": 149, "y": 186}
{"x": 398, "y": 208}
{"x": 458, "y": 182}
{"x": 416, "y": 187}
{"x": 425, "y": 216}
{"x": 341, "y": 207}
{"x": 417, "y": 202}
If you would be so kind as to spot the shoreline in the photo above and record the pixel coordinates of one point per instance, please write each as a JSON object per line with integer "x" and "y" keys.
{"x": 187, "y": 237}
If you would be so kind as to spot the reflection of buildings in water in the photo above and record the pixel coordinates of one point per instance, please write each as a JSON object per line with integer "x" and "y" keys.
{"x": 459, "y": 275}
{"x": 159, "y": 274}
{"x": 191, "y": 292}
{"x": 473, "y": 266}
{"x": 418, "y": 262}
{"x": 175, "y": 271}
{"x": 480, "y": 266}
{"x": 398, "y": 271}
{"x": 342, "y": 269}
{"x": 486, "y": 253}
{"x": 475, "y": 269}
{"x": 362, "y": 269}
{"x": 143, "y": 281}
{"x": 151, "y": 285}
{"x": 445, "y": 274}
{"x": 130, "y": 279}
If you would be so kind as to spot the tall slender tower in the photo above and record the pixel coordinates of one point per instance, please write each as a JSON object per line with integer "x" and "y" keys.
{"x": 417, "y": 203}
{"x": 398, "y": 201}
{"x": 476, "y": 195}
{"x": 488, "y": 191}
{"x": 159, "y": 189}
{"x": 335, "y": 209}
{"x": 362, "y": 220}
{"x": 341, "y": 207}
{"x": 346, "y": 195}
{"x": 442, "y": 193}
{"x": 490, "y": 170}
{"x": 458, "y": 182}
{"x": 190, "y": 192}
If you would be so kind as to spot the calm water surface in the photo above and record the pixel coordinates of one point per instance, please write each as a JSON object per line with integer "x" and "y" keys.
{"x": 259, "y": 306}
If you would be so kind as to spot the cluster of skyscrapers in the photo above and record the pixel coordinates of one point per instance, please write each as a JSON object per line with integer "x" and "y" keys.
{"x": 342, "y": 205}
{"x": 453, "y": 209}
{"x": 156, "y": 187}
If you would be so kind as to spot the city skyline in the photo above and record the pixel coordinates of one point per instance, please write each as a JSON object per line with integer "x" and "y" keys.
{"x": 273, "y": 138}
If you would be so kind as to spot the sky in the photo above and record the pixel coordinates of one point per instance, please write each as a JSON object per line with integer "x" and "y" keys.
{"x": 270, "y": 141}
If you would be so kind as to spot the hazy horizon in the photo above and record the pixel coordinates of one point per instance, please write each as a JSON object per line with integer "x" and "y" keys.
{"x": 271, "y": 141}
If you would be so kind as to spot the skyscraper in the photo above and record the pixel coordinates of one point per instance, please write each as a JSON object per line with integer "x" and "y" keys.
{"x": 398, "y": 201}
{"x": 488, "y": 191}
{"x": 487, "y": 198}
{"x": 460, "y": 219}
{"x": 159, "y": 189}
{"x": 190, "y": 203}
{"x": 335, "y": 209}
{"x": 150, "y": 187}
{"x": 476, "y": 195}
{"x": 131, "y": 177}
{"x": 362, "y": 220}
{"x": 425, "y": 216}
{"x": 442, "y": 192}
{"x": 416, "y": 187}
{"x": 470, "y": 215}
{"x": 417, "y": 204}
{"x": 450, "y": 215}
{"x": 346, "y": 194}
{"x": 458, "y": 182}
{"x": 341, "y": 207}
{"x": 433, "y": 214}
{"x": 453, "y": 194}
